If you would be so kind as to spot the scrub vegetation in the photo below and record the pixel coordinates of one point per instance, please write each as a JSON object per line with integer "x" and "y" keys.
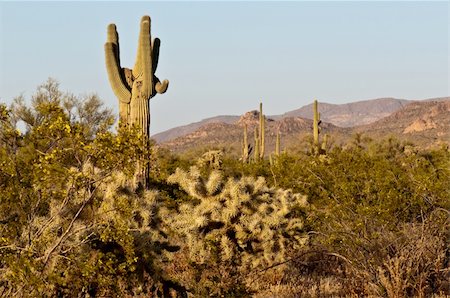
{"x": 369, "y": 218}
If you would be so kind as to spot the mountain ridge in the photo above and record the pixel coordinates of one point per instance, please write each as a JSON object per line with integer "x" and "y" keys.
{"x": 342, "y": 115}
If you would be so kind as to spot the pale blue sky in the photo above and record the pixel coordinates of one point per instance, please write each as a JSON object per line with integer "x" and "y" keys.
{"x": 224, "y": 57}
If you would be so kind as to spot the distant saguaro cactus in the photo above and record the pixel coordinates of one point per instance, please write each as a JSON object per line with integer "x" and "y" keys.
{"x": 260, "y": 136}
{"x": 135, "y": 87}
{"x": 245, "y": 146}
{"x": 257, "y": 145}
{"x": 261, "y": 131}
{"x": 316, "y": 120}
{"x": 277, "y": 144}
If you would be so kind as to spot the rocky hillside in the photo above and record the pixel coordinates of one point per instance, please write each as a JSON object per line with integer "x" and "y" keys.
{"x": 425, "y": 123}
{"x": 352, "y": 114}
{"x": 343, "y": 115}
{"x": 225, "y": 135}
{"x": 176, "y": 132}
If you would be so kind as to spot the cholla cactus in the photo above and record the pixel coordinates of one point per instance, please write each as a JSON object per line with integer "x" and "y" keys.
{"x": 247, "y": 221}
{"x": 211, "y": 159}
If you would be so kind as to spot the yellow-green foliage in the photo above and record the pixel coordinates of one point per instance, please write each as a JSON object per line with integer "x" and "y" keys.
{"x": 74, "y": 223}
{"x": 69, "y": 215}
{"x": 242, "y": 220}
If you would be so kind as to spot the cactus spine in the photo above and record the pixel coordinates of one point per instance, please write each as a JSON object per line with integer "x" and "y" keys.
{"x": 135, "y": 87}
{"x": 261, "y": 131}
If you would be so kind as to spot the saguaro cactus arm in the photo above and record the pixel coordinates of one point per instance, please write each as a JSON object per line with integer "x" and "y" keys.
{"x": 115, "y": 72}
{"x": 161, "y": 88}
{"x": 156, "y": 43}
{"x": 145, "y": 57}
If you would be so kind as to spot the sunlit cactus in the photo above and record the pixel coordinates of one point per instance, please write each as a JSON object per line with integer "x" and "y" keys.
{"x": 323, "y": 147}
{"x": 249, "y": 222}
{"x": 257, "y": 145}
{"x": 135, "y": 87}
{"x": 245, "y": 147}
{"x": 277, "y": 144}
{"x": 316, "y": 122}
{"x": 261, "y": 132}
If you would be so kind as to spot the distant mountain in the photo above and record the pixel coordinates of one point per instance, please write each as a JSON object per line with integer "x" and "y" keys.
{"x": 225, "y": 135}
{"x": 426, "y": 123}
{"x": 343, "y": 115}
{"x": 352, "y": 114}
{"x": 173, "y": 133}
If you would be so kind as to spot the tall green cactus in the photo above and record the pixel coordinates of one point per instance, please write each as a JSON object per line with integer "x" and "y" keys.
{"x": 261, "y": 132}
{"x": 318, "y": 148}
{"x": 135, "y": 87}
{"x": 245, "y": 152}
{"x": 257, "y": 145}
{"x": 323, "y": 147}
{"x": 277, "y": 144}
{"x": 316, "y": 120}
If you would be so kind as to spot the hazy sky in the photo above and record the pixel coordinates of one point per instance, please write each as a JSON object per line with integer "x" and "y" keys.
{"x": 225, "y": 57}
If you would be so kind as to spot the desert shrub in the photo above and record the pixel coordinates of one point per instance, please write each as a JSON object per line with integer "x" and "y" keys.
{"x": 365, "y": 196}
{"x": 411, "y": 261}
{"x": 74, "y": 223}
{"x": 71, "y": 220}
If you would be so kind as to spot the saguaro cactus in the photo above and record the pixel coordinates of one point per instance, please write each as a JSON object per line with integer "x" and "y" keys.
{"x": 316, "y": 120}
{"x": 257, "y": 144}
{"x": 245, "y": 151}
{"x": 323, "y": 147}
{"x": 277, "y": 144}
{"x": 135, "y": 87}
{"x": 261, "y": 131}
